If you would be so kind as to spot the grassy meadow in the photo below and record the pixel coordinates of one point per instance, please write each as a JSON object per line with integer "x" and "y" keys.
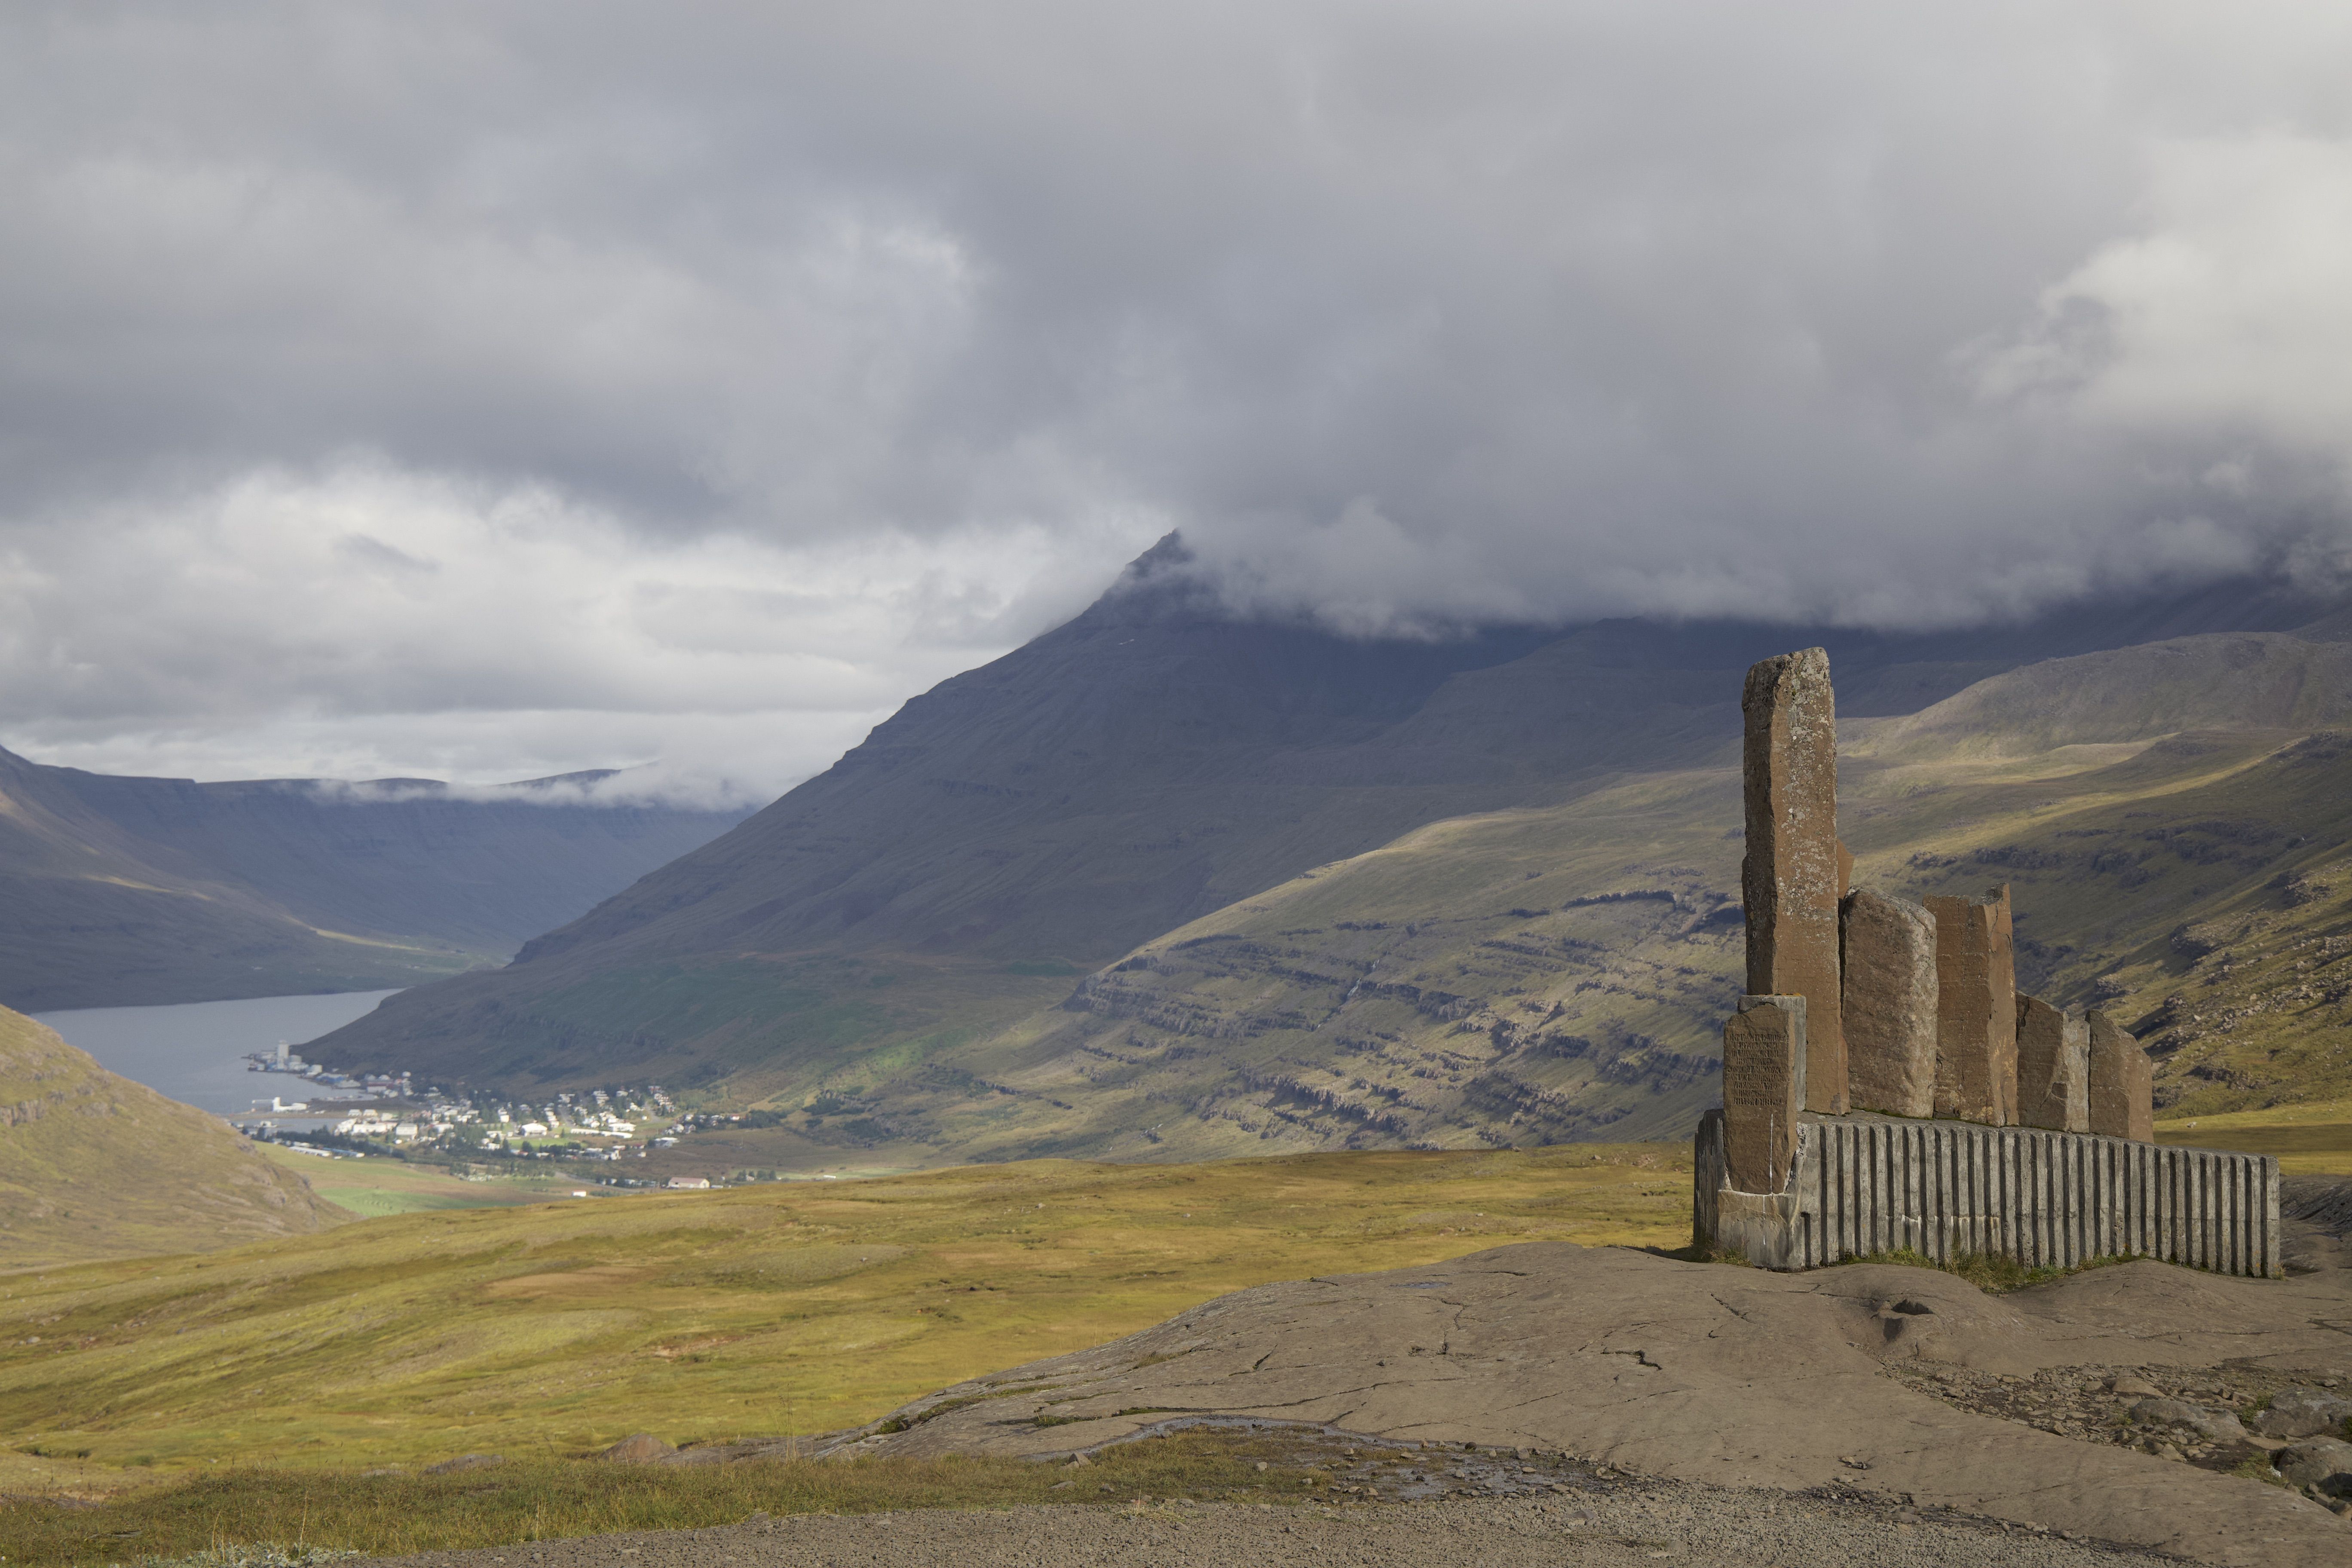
{"x": 291, "y": 1392}
{"x": 2312, "y": 1139}
{"x": 553, "y": 1330}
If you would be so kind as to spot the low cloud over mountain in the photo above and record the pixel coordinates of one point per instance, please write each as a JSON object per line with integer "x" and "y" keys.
{"x": 483, "y": 391}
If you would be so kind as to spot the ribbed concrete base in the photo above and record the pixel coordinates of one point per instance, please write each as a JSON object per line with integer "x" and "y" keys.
{"x": 1865, "y": 1183}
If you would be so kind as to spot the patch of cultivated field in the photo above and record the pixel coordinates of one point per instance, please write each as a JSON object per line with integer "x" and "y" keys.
{"x": 556, "y": 1329}
{"x": 380, "y": 1185}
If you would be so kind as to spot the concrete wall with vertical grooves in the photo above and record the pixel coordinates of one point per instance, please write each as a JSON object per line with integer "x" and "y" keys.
{"x": 1865, "y": 1184}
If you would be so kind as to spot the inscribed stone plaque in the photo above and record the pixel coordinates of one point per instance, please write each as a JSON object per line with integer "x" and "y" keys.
{"x": 1792, "y": 875}
{"x": 2053, "y": 1068}
{"x": 2122, "y": 1083}
{"x": 1976, "y": 1008}
{"x": 1764, "y": 1052}
{"x": 1888, "y": 961}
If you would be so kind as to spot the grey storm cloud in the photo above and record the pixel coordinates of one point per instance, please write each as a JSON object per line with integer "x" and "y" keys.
{"x": 475, "y": 388}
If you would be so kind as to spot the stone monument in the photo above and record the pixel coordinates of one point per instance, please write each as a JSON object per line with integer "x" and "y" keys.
{"x": 1794, "y": 871}
{"x": 1884, "y": 1086}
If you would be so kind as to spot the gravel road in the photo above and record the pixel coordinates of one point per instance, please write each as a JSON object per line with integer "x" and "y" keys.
{"x": 1691, "y": 1523}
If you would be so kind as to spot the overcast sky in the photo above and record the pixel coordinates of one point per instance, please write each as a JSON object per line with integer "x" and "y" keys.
{"x": 479, "y": 390}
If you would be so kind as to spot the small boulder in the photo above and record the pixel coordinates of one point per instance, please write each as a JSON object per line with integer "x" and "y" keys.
{"x": 643, "y": 1448}
{"x": 465, "y": 1462}
{"x": 2215, "y": 1425}
{"x": 2130, "y": 1387}
{"x": 2322, "y": 1465}
{"x": 2304, "y": 1412}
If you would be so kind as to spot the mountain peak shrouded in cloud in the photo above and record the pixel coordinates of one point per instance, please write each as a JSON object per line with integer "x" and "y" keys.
{"x": 478, "y": 391}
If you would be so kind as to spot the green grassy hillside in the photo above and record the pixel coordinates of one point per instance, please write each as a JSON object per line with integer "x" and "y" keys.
{"x": 94, "y": 1165}
{"x": 1521, "y": 977}
{"x": 2238, "y": 681}
{"x": 1530, "y": 976}
{"x": 2201, "y": 891}
{"x": 1143, "y": 767}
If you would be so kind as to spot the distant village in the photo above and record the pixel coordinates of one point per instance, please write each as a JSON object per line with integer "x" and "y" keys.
{"x": 599, "y": 1124}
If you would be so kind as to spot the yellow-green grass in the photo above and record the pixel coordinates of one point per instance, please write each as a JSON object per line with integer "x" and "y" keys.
{"x": 382, "y": 1184}
{"x": 2313, "y": 1138}
{"x": 395, "y": 1514}
{"x": 95, "y": 1165}
{"x": 554, "y": 1329}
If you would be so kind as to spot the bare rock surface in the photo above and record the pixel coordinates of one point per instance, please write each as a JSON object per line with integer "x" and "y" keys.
{"x": 2213, "y": 1426}
{"x": 2305, "y": 1413}
{"x": 640, "y": 1449}
{"x": 2193, "y": 1416}
{"x": 2322, "y": 1464}
{"x": 1713, "y": 1374}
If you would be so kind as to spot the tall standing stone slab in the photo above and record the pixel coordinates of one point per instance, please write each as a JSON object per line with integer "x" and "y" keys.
{"x": 2053, "y": 1068}
{"x": 1795, "y": 874}
{"x": 1764, "y": 1068}
{"x": 1976, "y": 1008}
{"x": 1888, "y": 960}
{"x": 2122, "y": 1082}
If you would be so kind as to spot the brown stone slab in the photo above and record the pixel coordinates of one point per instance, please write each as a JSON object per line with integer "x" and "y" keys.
{"x": 1764, "y": 1051}
{"x": 2053, "y": 1068}
{"x": 1976, "y": 1008}
{"x": 2122, "y": 1098}
{"x": 1791, "y": 877}
{"x": 1889, "y": 963}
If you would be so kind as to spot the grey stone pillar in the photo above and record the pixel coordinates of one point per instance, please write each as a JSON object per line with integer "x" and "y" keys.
{"x": 1764, "y": 1052}
{"x": 1794, "y": 870}
{"x": 1976, "y": 1008}
{"x": 2053, "y": 1068}
{"x": 2122, "y": 1082}
{"x": 1888, "y": 961}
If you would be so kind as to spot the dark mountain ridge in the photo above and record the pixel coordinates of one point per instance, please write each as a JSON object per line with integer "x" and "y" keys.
{"x": 119, "y": 891}
{"x": 1131, "y": 771}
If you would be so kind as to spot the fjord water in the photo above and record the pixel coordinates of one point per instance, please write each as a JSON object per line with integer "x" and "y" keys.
{"x": 194, "y": 1051}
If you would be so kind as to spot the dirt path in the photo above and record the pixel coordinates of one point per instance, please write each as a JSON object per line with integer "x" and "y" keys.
{"x": 1698, "y": 1524}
